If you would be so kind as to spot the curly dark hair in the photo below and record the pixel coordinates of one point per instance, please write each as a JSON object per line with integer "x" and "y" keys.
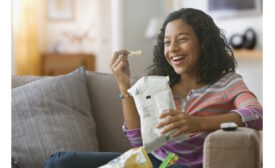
{"x": 216, "y": 56}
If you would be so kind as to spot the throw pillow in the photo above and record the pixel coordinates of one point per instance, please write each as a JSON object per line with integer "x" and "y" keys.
{"x": 49, "y": 115}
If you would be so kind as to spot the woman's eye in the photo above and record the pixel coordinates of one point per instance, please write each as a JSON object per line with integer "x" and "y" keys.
{"x": 166, "y": 42}
{"x": 183, "y": 40}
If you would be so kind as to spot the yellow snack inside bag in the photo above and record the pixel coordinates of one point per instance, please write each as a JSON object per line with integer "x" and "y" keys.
{"x": 133, "y": 158}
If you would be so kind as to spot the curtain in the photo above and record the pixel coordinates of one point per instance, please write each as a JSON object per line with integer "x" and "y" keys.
{"x": 25, "y": 37}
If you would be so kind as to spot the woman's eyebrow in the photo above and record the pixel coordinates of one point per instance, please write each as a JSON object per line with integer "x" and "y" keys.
{"x": 180, "y": 34}
{"x": 184, "y": 34}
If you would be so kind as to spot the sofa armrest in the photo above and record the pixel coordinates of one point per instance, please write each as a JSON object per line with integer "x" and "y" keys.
{"x": 227, "y": 149}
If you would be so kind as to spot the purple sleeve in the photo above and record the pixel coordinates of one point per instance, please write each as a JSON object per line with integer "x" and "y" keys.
{"x": 251, "y": 117}
{"x": 134, "y": 136}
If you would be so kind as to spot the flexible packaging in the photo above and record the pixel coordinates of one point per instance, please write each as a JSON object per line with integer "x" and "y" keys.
{"x": 133, "y": 158}
{"x": 152, "y": 96}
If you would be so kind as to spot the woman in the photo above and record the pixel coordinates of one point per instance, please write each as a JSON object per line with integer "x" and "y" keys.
{"x": 194, "y": 53}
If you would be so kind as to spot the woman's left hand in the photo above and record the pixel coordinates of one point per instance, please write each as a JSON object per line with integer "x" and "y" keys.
{"x": 180, "y": 121}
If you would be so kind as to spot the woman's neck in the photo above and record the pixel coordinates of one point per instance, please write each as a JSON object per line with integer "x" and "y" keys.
{"x": 190, "y": 82}
{"x": 185, "y": 85}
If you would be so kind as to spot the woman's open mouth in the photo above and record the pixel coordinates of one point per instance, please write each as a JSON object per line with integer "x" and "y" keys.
{"x": 177, "y": 59}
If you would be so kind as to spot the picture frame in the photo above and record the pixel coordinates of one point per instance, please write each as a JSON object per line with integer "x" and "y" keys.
{"x": 60, "y": 10}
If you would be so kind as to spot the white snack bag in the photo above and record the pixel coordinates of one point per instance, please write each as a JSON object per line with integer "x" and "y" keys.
{"x": 152, "y": 96}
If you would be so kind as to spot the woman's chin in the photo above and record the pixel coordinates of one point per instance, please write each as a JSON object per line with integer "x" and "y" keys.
{"x": 178, "y": 71}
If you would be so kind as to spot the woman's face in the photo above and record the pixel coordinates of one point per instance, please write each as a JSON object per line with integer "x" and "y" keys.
{"x": 181, "y": 47}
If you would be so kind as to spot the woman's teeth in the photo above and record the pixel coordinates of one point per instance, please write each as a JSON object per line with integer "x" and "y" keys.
{"x": 175, "y": 58}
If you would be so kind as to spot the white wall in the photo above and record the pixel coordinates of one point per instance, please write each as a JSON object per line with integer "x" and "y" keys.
{"x": 252, "y": 73}
{"x": 136, "y": 16}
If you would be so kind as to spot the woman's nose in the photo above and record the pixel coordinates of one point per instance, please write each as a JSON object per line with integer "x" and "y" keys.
{"x": 174, "y": 46}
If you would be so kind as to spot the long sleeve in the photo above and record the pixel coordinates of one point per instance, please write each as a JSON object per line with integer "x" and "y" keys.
{"x": 246, "y": 105}
{"x": 134, "y": 136}
{"x": 250, "y": 110}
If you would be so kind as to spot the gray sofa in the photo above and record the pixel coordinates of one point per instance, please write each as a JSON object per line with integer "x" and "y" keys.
{"x": 47, "y": 117}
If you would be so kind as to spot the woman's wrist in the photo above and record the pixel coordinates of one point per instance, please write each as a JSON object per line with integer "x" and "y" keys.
{"x": 201, "y": 124}
{"x": 123, "y": 88}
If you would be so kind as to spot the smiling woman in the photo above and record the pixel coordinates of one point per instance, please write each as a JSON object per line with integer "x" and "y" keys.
{"x": 194, "y": 53}
{"x": 215, "y": 53}
{"x": 181, "y": 47}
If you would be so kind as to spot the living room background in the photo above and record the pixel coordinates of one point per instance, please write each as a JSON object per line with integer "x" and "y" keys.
{"x": 99, "y": 27}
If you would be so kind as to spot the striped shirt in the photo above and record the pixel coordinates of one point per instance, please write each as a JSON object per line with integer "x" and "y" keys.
{"x": 227, "y": 95}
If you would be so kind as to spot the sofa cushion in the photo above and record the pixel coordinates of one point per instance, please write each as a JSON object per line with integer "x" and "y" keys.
{"x": 107, "y": 111}
{"x": 49, "y": 115}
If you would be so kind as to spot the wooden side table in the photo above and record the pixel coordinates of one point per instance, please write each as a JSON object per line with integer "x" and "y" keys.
{"x": 58, "y": 64}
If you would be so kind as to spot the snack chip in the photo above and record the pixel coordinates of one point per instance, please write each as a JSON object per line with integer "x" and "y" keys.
{"x": 135, "y": 53}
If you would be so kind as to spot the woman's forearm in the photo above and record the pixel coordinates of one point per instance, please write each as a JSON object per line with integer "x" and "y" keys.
{"x": 212, "y": 123}
{"x": 130, "y": 114}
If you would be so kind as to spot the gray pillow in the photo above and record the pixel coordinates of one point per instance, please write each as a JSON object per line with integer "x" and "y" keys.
{"x": 49, "y": 115}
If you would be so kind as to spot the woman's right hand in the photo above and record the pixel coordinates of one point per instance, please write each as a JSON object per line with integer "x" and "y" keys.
{"x": 120, "y": 68}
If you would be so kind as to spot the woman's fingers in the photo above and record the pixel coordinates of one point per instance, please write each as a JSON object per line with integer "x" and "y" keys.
{"x": 171, "y": 127}
{"x": 174, "y": 121}
{"x": 119, "y": 67}
{"x": 116, "y": 56}
{"x": 168, "y": 120}
{"x": 117, "y": 61}
{"x": 179, "y": 131}
{"x": 121, "y": 58}
{"x": 166, "y": 113}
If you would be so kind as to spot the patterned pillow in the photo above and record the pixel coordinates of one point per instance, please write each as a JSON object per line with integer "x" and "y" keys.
{"x": 49, "y": 115}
